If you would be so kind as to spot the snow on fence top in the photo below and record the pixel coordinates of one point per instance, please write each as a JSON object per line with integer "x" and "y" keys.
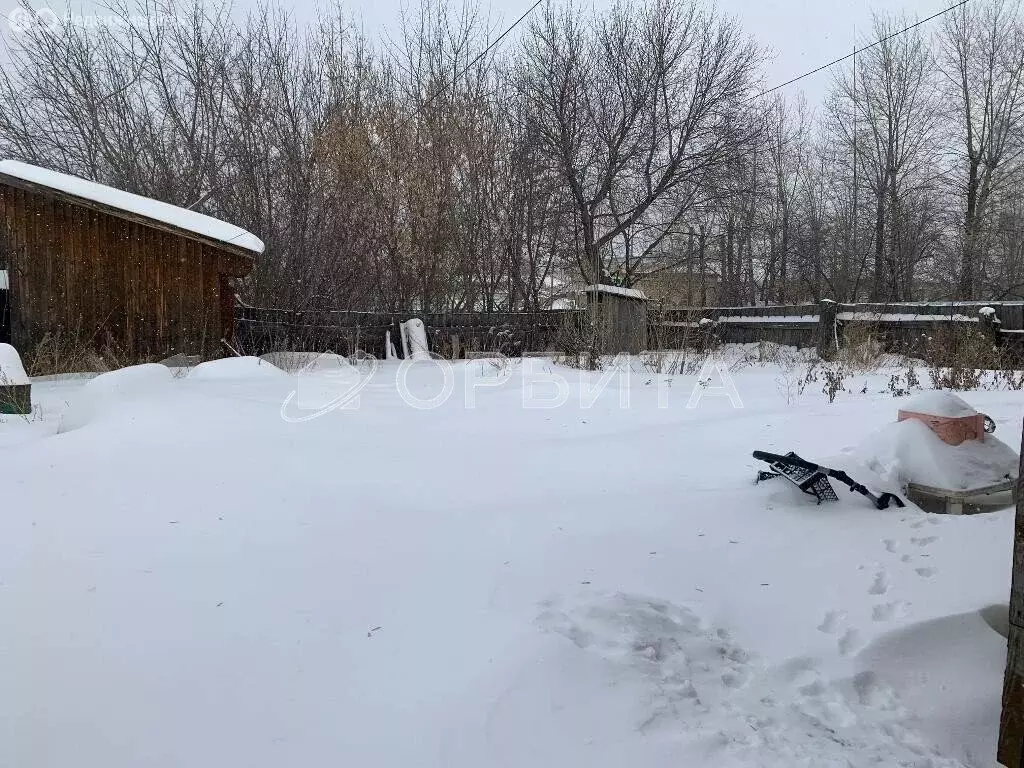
{"x": 182, "y": 218}
{"x": 903, "y": 317}
{"x": 616, "y": 290}
{"x": 787, "y": 319}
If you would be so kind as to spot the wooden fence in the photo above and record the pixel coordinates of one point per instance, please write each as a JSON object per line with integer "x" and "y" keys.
{"x": 451, "y": 334}
{"x": 825, "y": 325}
{"x": 903, "y": 326}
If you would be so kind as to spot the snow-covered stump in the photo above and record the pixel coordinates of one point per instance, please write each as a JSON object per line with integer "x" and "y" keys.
{"x": 15, "y": 385}
{"x": 1011, "y": 722}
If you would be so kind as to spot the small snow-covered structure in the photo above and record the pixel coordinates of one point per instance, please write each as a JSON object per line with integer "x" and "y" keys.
{"x": 939, "y": 475}
{"x": 103, "y": 266}
{"x": 945, "y": 414}
{"x": 623, "y": 316}
{"x": 414, "y": 340}
{"x": 15, "y": 385}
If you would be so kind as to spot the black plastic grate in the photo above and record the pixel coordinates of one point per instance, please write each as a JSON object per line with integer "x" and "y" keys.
{"x": 810, "y": 481}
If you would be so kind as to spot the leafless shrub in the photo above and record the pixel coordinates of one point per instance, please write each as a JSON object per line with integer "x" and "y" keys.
{"x": 834, "y": 376}
{"x": 576, "y": 340}
{"x": 861, "y": 349}
{"x": 959, "y": 356}
{"x": 61, "y": 351}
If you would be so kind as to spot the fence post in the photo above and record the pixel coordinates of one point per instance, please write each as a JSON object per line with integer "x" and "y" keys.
{"x": 1011, "y": 721}
{"x": 828, "y": 338}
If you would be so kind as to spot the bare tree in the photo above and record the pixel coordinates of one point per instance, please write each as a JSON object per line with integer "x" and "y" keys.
{"x": 636, "y": 111}
{"x": 889, "y": 110}
{"x": 982, "y": 59}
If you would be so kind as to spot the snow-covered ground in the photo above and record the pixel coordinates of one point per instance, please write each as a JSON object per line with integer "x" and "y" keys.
{"x": 192, "y": 575}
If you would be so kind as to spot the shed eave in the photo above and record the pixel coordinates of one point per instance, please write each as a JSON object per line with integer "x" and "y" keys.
{"x": 110, "y": 210}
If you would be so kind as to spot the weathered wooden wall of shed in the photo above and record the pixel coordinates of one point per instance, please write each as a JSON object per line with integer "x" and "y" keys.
{"x": 106, "y": 280}
{"x": 1010, "y": 751}
{"x": 623, "y": 322}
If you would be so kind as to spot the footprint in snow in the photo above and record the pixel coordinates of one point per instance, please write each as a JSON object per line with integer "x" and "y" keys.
{"x": 800, "y": 670}
{"x": 850, "y": 642}
{"x": 831, "y": 622}
{"x": 891, "y": 545}
{"x": 889, "y": 611}
{"x": 925, "y": 572}
{"x": 880, "y": 585}
{"x": 924, "y": 541}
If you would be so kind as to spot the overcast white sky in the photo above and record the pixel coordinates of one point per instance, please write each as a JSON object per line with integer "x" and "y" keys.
{"x": 802, "y": 33}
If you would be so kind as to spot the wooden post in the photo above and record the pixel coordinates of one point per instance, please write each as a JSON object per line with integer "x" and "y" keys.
{"x": 828, "y": 343}
{"x": 1011, "y": 722}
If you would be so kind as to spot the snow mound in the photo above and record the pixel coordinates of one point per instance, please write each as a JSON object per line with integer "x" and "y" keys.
{"x": 11, "y": 369}
{"x": 908, "y": 451}
{"x": 105, "y": 392}
{"x": 923, "y": 661}
{"x": 308, "y": 362}
{"x": 938, "y": 402}
{"x": 235, "y": 368}
{"x": 675, "y": 675}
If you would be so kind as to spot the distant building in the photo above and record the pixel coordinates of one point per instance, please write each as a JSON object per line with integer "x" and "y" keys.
{"x": 110, "y": 267}
{"x": 675, "y": 288}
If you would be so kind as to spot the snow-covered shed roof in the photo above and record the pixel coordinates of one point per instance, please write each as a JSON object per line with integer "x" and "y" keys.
{"x": 181, "y": 219}
{"x": 616, "y": 290}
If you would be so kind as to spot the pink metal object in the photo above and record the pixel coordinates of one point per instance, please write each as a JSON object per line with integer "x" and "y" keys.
{"x": 950, "y": 429}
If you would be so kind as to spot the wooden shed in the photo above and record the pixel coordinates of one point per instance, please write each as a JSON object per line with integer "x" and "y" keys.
{"x": 107, "y": 267}
{"x": 623, "y": 317}
{"x": 1011, "y": 722}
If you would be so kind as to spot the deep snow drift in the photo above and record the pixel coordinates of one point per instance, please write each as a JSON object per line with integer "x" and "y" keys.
{"x": 907, "y": 451}
{"x": 12, "y": 372}
{"x": 193, "y": 577}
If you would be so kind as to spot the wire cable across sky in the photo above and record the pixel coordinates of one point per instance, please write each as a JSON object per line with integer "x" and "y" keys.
{"x": 480, "y": 55}
{"x": 774, "y": 88}
{"x": 856, "y": 51}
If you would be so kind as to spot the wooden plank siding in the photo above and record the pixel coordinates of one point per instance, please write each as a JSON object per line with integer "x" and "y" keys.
{"x": 110, "y": 279}
{"x": 1010, "y": 750}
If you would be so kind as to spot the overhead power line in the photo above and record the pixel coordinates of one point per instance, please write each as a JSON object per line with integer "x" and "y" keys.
{"x": 479, "y": 56}
{"x": 859, "y": 50}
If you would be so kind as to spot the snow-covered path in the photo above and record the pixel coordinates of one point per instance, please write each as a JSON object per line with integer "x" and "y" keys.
{"x": 189, "y": 579}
